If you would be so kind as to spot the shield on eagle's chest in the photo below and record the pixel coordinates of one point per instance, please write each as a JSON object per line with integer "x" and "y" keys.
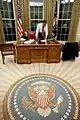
{"x": 43, "y": 101}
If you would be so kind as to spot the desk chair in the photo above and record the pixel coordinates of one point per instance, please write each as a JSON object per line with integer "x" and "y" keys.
{"x": 7, "y": 49}
{"x": 32, "y": 35}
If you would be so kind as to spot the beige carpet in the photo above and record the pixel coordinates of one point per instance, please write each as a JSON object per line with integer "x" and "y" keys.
{"x": 11, "y": 72}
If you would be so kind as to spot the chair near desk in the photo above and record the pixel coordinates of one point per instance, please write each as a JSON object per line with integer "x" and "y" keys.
{"x": 7, "y": 49}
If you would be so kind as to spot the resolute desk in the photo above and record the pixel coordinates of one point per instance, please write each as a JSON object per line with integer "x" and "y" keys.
{"x": 36, "y": 53}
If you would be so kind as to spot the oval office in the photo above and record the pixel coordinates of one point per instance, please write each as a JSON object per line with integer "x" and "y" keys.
{"x": 39, "y": 59}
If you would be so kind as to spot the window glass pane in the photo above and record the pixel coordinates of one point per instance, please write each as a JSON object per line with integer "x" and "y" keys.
{"x": 41, "y": 9}
{"x": 2, "y": 13}
{"x": 10, "y": 37}
{"x": 71, "y": 5}
{"x": 8, "y": 21}
{"x": 31, "y": 9}
{"x": 1, "y": 7}
{"x": 71, "y": 0}
{"x": 11, "y": 15}
{"x": 69, "y": 15}
{"x": 32, "y": 16}
{"x": 6, "y": 37}
{"x": 6, "y": 14}
{"x": 36, "y": 12}
{"x": 40, "y": 16}
{"x": 36, "y": 8}
{"x": 9, "y": 30}
{"x": 66, "y": 7}
{"x": 60, "y": 23}
{"x": 64, "y": 16}
{"x": 10, "y": 7}
{"x": 32, "y": 23}
{"x": 13, "y": 23}
{"x": 60, "y": 15}
{"x": 64, "y": 1}
{"x": 14, "y": 37}
{"x": 5, "y": 5}
{"x": 36, "y": 15}
{"x": 61, "y": 7}
{"x": 13, "y": 30}
{"x": 64, "y": 12}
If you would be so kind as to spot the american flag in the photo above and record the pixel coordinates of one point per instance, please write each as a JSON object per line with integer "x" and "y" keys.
{"x": 19, "y": 21}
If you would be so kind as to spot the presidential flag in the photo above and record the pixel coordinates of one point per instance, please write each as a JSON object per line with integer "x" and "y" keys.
{"x": 19, "y": 21}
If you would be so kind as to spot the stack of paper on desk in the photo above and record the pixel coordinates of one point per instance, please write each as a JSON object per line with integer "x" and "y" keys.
{"x": 29, "y": 41}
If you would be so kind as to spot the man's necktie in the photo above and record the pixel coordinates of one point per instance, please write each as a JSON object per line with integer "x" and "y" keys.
{"x": 42, "y": 31}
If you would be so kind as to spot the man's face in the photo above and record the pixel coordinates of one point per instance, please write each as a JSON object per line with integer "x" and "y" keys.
{"x": 44, "y": 24}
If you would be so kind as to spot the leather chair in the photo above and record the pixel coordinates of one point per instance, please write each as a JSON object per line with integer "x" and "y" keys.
{"x": 70, "y": 51}
{"x": 7, "y": 49}
{"x": 32, "y": 35}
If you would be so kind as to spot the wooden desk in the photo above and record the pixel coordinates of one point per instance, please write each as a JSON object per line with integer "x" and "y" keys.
{"x": 49, "y": 53}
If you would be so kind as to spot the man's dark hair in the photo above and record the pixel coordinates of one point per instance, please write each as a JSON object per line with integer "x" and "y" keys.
{"x": 44, "y": 21}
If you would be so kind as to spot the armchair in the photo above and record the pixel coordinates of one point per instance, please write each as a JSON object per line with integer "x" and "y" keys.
{"x": 7, "y": 49}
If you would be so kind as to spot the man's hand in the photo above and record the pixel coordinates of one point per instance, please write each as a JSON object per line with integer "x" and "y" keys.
{"x": 45, "y": 41}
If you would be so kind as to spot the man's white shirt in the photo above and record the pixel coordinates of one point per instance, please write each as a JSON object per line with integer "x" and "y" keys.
{"x": 39, "y": 29}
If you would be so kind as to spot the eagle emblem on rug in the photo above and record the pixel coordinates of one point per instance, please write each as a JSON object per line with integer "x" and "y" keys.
{"x": 41, "y": 99}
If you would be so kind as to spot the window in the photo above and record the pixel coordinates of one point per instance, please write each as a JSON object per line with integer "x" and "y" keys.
{"x": 64, "y": 11}
{"x": 6, "y": 8}
{"x": 36, "y": 13}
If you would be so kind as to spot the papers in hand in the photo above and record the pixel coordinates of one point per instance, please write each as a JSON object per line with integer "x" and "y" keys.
{"x": 43, "y": 40}
{"x": 29, "y": 41}
{"x": 22, "y": 39}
